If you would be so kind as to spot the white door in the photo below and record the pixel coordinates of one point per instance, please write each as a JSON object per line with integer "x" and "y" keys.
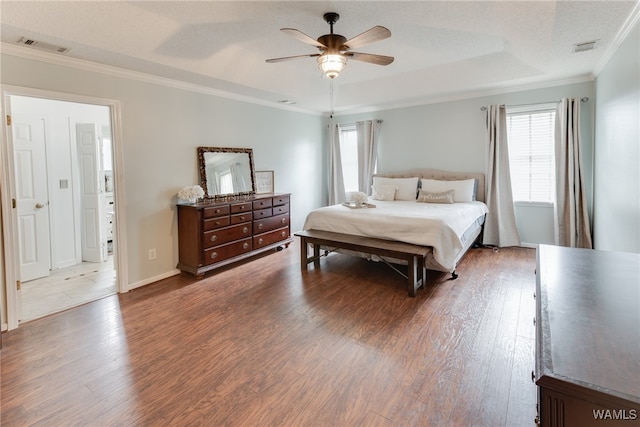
{"x": 91, "y": 193}
{"x": 32, "y": 204}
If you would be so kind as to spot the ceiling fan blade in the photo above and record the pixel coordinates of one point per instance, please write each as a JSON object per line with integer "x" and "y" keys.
{"x": 371, "y": 58}
{"x": 371, "y": 35}
{"x": 297, "y": 34}
{"x": 287, "y": 58}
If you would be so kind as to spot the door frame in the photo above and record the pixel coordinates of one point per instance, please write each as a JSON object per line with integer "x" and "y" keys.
{"x": 8, "y": 193}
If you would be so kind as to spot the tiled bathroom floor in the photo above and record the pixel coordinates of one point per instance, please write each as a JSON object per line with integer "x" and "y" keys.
{"x": 67, "y": 287}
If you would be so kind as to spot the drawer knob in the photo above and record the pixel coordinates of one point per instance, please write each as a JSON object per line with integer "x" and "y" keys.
{"x": 242, "y": 218}
{"x": 214, "y": 255}
{"x": 217, "y": 211}
{"x": 217, "y": 222}
{"x": 245, "y": 245}
{"x": 260, "y": 241}
{"x": 283, "y": 234}
{"x": 284, "y": 220}
{"x": 245, "y": 230}
{"x": 214, "y": 238}
{"x": 260, "y": 226}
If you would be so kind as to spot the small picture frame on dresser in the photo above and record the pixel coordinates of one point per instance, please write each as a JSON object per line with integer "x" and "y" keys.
{"x": 264, "y": 182}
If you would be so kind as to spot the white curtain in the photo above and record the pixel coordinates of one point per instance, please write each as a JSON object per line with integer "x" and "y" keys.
{"x": 213, "y": 180}
{"x": 237, "y": 177}
{"x": 367, "y": 133}
{"x": 571, "y": 225}
{"x": 336, "y": 180}
{"x": 500, "y": 225}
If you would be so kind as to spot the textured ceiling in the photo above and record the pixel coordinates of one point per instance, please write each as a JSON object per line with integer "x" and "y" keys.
{"x": 442, "y": 49}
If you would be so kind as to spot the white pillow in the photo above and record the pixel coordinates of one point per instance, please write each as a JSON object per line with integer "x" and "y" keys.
{"x": 383, "y": 192}
{"x": 463, "y": 190}
{"x": 406, "y": 188}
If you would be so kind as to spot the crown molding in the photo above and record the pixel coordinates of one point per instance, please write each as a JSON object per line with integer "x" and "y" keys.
{"x": 467, "y": 95}
{"x": 85, "y": 65}
{"x": 622, "y": 35}
{"x": 57, "y": 59}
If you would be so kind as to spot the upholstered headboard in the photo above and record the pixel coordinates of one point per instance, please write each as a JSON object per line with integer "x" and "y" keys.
{"x": 441, "y": 175}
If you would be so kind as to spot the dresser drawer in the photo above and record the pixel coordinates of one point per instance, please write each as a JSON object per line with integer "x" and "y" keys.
{"x": 215, "y": 211}
{"x": 213, "y": 223}
{"x": 281, "y": 209}
{"x": 266, "y": 239}
{"x": 262, "y": 213}
{"x": 214, "y": 233}
{"x": 226, "y": 234}
{"x": 262, "y": 203}
{"x": 230, "y": 250}
{"x": 241, "y": 207}
{"x": 280, "y": 200}
{"x": 240, "y": 218}
{"x": 268, "y": 224}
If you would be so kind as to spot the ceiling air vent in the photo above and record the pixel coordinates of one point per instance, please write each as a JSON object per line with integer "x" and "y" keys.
{"x": 585, "y": 46}
{"x": 42, "y": 45}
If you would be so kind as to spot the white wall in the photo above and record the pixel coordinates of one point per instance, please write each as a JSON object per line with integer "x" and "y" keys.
{"x": 617, "y": 191}
{"x": 535, "y": 224}
{"x": 162, "y": 126}
{"x": 451, "y": 136}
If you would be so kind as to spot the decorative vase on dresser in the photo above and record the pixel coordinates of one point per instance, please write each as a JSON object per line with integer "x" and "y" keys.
{"x": 216, "y": 232}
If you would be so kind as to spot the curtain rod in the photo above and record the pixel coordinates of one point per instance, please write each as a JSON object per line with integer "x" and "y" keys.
{"x": 372, "y": 120}
{"x": 346, "y": 125}
{"x": 583, "y": 99}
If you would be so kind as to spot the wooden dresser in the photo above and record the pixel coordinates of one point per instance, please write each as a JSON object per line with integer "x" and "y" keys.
{"x": 587, "y": 337}
{"x": 216, "y": 233}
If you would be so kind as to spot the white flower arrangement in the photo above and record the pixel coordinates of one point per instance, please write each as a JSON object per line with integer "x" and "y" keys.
{"x": 359, "y": 198}
{"x": 191, "y": 193}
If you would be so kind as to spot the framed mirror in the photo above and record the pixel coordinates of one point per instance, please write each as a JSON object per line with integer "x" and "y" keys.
{"x": 226, "y": 171}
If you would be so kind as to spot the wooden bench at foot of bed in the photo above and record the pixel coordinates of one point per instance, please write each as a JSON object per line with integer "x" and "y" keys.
{"x": 413, "y": 254}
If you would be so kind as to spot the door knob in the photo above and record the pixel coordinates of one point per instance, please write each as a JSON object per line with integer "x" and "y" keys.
{"x": 39, "y": 206}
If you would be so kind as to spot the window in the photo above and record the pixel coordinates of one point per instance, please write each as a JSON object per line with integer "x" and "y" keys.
{"x": 531, "y": 136}
{"x": 349, "y": 157}
{"x": 226, "y": 183}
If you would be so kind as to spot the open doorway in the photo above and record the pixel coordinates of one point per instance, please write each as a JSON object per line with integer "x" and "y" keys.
{"x": 65, "y": 203}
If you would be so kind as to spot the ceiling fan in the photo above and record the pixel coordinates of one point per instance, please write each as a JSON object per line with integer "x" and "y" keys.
{"x": 335, "y": 49}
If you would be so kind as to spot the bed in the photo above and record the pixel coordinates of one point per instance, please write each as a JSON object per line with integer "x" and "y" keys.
{"x": 433, "y": 235}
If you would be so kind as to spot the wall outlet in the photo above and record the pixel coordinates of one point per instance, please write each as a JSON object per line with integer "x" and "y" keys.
{"x": 152, "y": 254}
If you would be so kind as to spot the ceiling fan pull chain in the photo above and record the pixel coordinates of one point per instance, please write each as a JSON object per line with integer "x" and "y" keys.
{"x": 331, "y": 99}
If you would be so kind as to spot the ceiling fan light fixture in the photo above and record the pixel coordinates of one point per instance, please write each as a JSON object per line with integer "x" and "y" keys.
{"x": 331, "y": 64}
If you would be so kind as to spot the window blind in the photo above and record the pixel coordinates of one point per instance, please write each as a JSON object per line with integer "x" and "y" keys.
{"x": 349, "y": 157}
{"x": 530, "y": 137}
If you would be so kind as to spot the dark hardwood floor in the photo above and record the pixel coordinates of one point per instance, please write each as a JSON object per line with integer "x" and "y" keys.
{"x": 264, "y": 344}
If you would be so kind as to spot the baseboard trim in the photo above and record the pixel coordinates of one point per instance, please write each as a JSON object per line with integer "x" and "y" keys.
{"x": 154, "y": 279}
{"x": 529, "y": 245}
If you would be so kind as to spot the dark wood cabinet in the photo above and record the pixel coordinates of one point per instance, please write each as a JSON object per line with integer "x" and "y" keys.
{"x": 217, "y": 233}
{"x": 587, "y": 337}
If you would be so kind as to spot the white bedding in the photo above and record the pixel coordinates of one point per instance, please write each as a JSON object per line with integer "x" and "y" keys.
{"x": 440, "y": 226}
